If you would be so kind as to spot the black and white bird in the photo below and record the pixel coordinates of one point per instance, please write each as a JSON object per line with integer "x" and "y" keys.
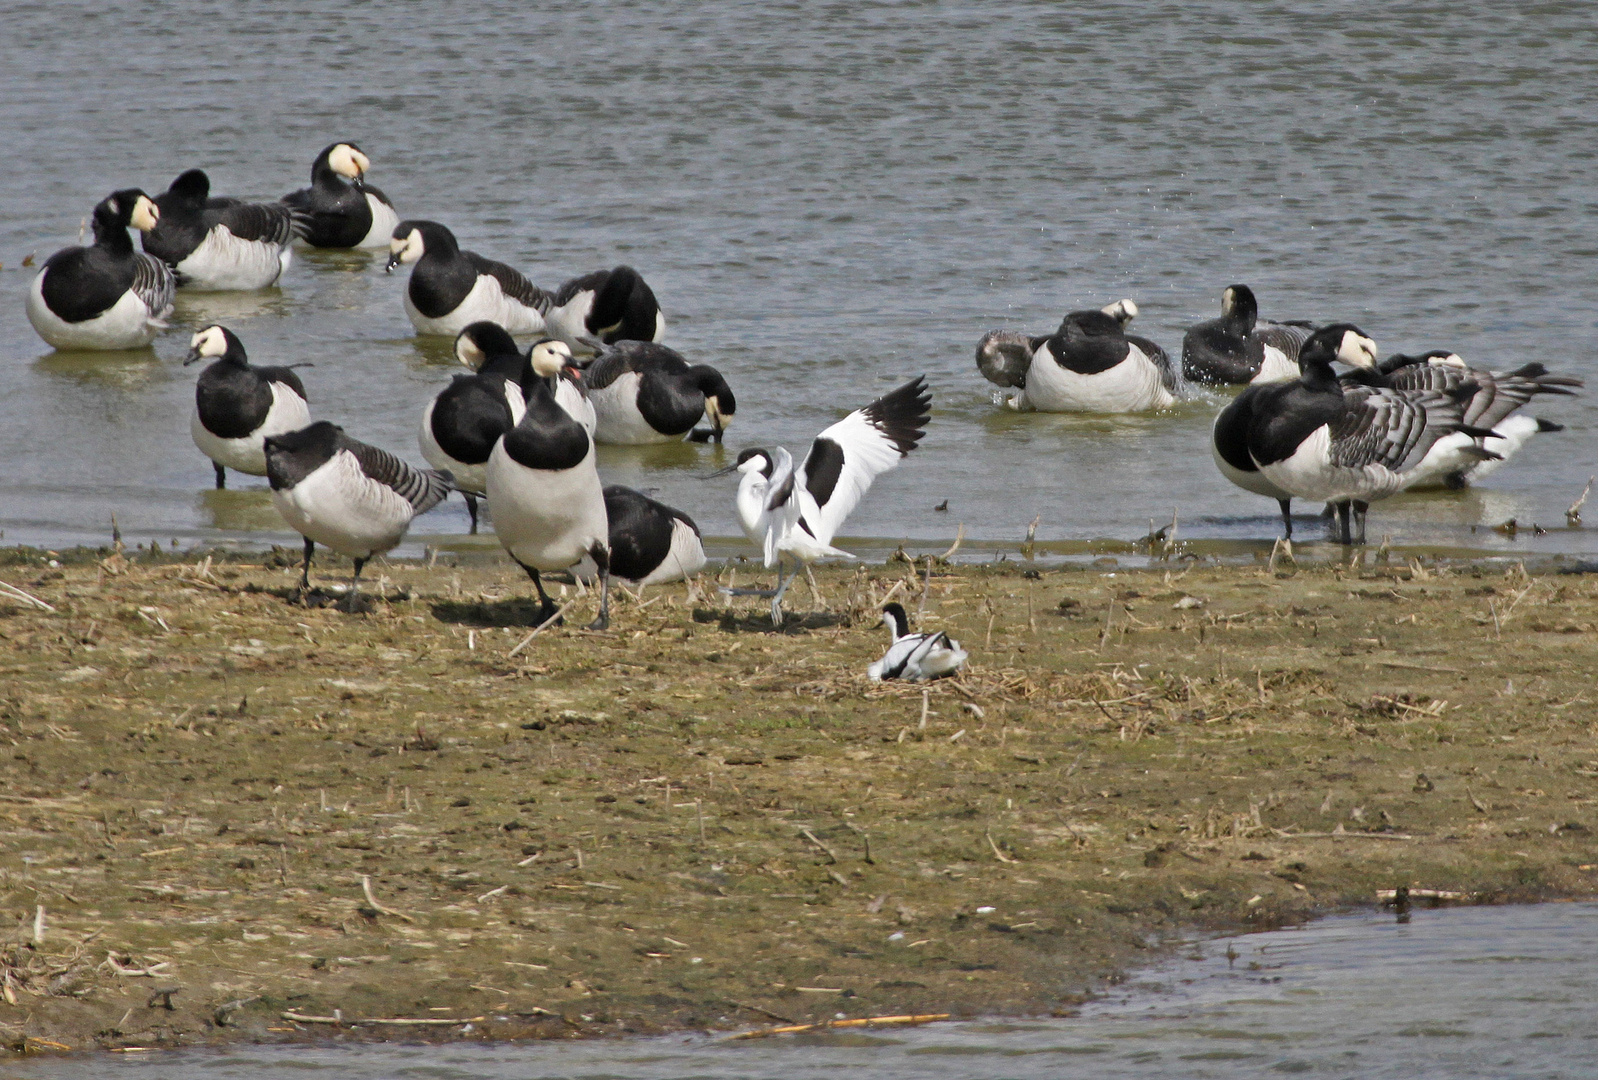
{"x": 602, "y": 308}
{"x": 450, "y": 288}
{"x": 646, "y": 393}
{"x": 794, "y": 513}
{"x": 1090, "y": 364}
{"x": 340, "y": 209}
{"x": 1314, "y": 438}
{"x": 650, "y": 543}
{"x": 220, "y": 243}
{"x": 106, "y": 295}
{"x": 1005, "y": 356}
{"x": 914, "y": 657}
{"x": 1240, "y": 347}
{"x": 1454, "y": 460}
{"x": 545, "y": 495}
{"x": 237, "y": 405}
{"x": 346, "y": 495}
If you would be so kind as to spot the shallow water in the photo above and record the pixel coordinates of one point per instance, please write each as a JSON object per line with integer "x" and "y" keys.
{"x": 829, "y": 198}
{"x": 1490, "y": 992}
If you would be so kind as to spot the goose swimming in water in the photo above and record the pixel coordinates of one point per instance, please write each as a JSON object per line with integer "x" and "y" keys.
{"x": 237, "y": 406}
{"x": 220, "y": 243}
{"x": 1005, "y": 356}
{"x": 450, "y": 288}
{"x": 796, "y": 512}
{"x": 545, "y": 495}
{"x": 106, "y": 295}
{"x": 346, "y": 495}
{"x": 1239, "y": 347}
{"x": 647, "y": 393}
{"x": 914, "y": 657}
{"x": 650, "y": 543}
{"x": 340, "y": 209}
{"x": 602, "y": 308}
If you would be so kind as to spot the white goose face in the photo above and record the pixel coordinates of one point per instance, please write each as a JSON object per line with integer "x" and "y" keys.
{"x": 405, "y": 249}
{"x": 549, "y": 357}
{"x": 718, "y": 419}
{"x": 1357, "y": 350}
{"x": 208, "y": 343}
{"x": 145, "y": 214}
{"x": 1122, "y": 311}
{"x": 348, "y": 162}
{"x": 468, "y": 353}
{"x": 1451, "y": 360}
{"x": 1228, "y": 300}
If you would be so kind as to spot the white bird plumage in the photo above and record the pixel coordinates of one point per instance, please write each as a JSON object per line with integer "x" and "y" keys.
{"x": 915, "y": 657}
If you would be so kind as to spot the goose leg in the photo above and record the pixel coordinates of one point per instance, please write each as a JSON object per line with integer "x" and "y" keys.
{"x": 601, "y": 557}
{"x": 352, "y": 602}
{"x": 305, "y": 570}
{"x": 1344, "y": 535}
{"x": 1359, "y": 519}
{"x": 471, "y": 509}
{"x": 782, "y": 587}
{"x": 221, "y": 477}
{"x": 546, "y": 606}
{"x": 1287, "y": 515}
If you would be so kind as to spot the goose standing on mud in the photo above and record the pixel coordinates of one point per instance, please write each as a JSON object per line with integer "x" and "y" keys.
{"x": 650, "y": 543}
{"x": 545, "y": 495}
{"x": 647, "y": 393}
{"x": 107, "y": 295}
{"x": 604, "y": 307}
{"x": 796, "y": 512}
{"x": 914, "y": 657}
{"x": 450, "y": 288}
{"x": 1241, "y": 348}
{"x": 1312, "y": 438}
{"x": 1454, "y": 460}
{"x": 236, "y": 405}
{"x": 340, "y": 209}
{"x": 346, "y": 495}
{"x": 220, "y": 243}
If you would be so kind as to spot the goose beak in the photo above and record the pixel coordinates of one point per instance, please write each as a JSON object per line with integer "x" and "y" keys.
{"x": 393, "y": 261}
{"x": 193, "y": 357}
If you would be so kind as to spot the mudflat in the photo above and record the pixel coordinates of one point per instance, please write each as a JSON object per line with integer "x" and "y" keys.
{"x": 226, "y": 815}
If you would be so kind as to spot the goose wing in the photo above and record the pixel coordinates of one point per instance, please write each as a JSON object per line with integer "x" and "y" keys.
{"x": 422, "y": 488}
{"x": 1170, "y": 373}
{"x": 1392, "y": 428}
{"x": 1289, "y": 337}
{"x": 154, "y": 283}
{"x": 616, "y": 360}
{"x": 1004, "y": 357}
{"x": 849, "y": 455}
{"x": 268, "y": 223}
{"x": 511, "y": 282}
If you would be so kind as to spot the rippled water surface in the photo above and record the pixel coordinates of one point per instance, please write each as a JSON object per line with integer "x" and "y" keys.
{"x": 1504, "y": 993}
{"x": 829, "y": 198}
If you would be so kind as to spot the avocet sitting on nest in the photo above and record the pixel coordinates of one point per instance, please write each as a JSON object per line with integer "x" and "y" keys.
{"x": 796, "y": 512}
{"x": 340, "y": 209}
{"x": 220, "y": 243}
{"x": 1457, "y": 459}
{"x": 106, "y": 295}
{"x": 646, "y": 393}
{"x": 1239, "y": 347}
{"x": 346, "y": 495}
{"x": 1090, "y": 364}
{"x": 914, "y": 657}
{"x": 237, "y": 405}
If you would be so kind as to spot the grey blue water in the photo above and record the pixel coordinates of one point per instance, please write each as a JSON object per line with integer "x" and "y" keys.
{"x": 1501, "y": 993}
{"x": 829, "y": 198}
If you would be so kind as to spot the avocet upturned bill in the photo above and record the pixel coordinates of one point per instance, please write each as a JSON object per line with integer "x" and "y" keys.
{"x": 107, "y": 295}
{"x": 237, "y": 405}
{"x": 346, "y": 495}
{"x": 795, "y": 512}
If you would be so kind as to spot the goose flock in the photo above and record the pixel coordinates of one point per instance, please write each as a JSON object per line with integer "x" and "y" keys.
{"x": 517, "y": 430}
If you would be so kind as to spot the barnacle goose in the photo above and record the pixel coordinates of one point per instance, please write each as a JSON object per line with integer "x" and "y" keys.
{"x": 650, "y": 543}
{"x": 544, "y": 493}
{"x": 796, "y": 512}
{"x": 1454, "y": 460}
{"x": 1239, "y": 347}
{"x": 340, "y": 209}
{"x": 106, "y": 295}
{"x": 647, "y": 393}
{"x": 450, "y": 289}
{"x": 346, "y": 495}
{"x": 604, "y": 307}
{"x": 1005, "y": 356}
{"x": 1090, "y": 364}
{"x": 236, "y": 406}
{"x": 220, "y": 243}
{"x": 914, "y": 657}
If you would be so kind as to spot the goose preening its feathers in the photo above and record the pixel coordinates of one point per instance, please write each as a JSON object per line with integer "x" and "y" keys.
{"x": 220, "y": 243}
{"x": 646, "y": 393}
{"x": 796, "y": 512}
{"x": 450, "y": 288}
{"x": 346, "y": 495}
{"x": 1315, "y": 438}
{"x": 340, "y": 209}
{"x": 604, "y": 307}
{"x": 650, "y": 543}
{"x": 1090, "y": 364}
{"x": 1239, "y": 347}
{"x": 106, "y": 295}
{"x": 914, "y": 657}
{"x": 237, "y": 406}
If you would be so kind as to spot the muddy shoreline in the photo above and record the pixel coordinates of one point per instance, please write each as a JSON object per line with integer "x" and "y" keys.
{"x": 220, "y": 809}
